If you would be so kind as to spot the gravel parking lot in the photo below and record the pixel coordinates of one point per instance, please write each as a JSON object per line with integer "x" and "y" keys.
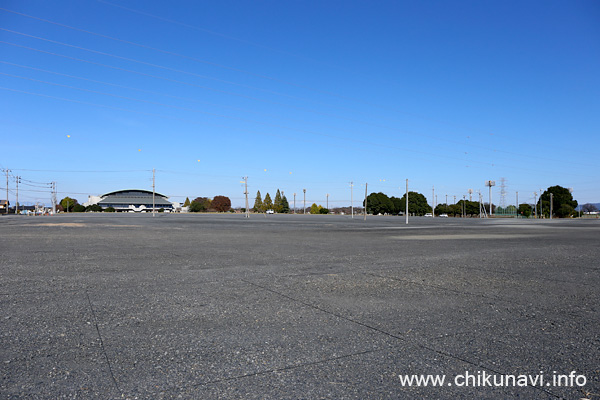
{"x": 295, "y": 306}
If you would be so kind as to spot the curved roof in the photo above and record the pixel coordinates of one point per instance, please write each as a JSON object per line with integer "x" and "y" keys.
{"x": 135, "y": 197}
{"x": 133, "y": 192}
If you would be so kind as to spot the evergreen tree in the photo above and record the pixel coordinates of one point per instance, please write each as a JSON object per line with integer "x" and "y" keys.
{"x": 560, "y": 197}
{"x": 267, "y": 203}
{"x": 258, "y": 203}
{"x": 285, "y": 206}
{"x": 277, "y": 206}
{"x": 417, "y": 204}
{"x": 187, "y": 202}
{"x": 379, "y": 203}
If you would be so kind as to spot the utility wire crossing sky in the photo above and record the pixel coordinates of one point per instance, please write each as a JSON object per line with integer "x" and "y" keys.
{"x": 299, "y": 95}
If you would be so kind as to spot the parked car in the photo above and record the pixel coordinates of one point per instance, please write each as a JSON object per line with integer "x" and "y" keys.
{"x": 444, "y": 215}
{"x": 429, "y": 215}
{"x": 270, "y": 212}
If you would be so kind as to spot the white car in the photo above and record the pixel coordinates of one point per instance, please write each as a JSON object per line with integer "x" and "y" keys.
{"x": 444, "y": 215}
{"x": 429, "y": 215}
{"x": 270, "y": 212}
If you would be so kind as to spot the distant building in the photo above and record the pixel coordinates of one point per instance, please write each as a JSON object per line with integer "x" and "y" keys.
{"x": 131, "y": 200}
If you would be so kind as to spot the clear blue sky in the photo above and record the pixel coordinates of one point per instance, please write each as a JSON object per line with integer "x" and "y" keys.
{"x": 300, "y": 94}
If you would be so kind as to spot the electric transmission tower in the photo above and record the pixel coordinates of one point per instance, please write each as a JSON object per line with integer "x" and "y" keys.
{"x": 503, "y": 193}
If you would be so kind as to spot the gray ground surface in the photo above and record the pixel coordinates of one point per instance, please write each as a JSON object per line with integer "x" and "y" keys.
{"x": 293, "y": 306}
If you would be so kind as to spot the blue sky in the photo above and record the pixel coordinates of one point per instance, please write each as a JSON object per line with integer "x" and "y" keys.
{"x": 300, "y": 95}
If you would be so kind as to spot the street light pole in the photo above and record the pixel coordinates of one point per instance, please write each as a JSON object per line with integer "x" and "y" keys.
{"x": 406, "y": 212}
{"x": 433, "y": 202}
{"x": 366, "y": 185}
{"x": 304, "y": 190}
{"x": 351, "y": 200}
{"x": 17, "y": 202}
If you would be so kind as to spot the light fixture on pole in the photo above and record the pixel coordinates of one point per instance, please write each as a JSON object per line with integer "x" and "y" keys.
{"x": 490, "y": 184}
{"x": 304, "y": 190}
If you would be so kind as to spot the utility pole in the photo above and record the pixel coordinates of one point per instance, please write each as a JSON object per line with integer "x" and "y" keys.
{"x": 550, "y": 203}
{"x": 464, "y": 206}
{"x": 327, "y": 195}
{"x": 366, "y": 184}
{"x": 433, "y": 202}
{"x": 541, "y": 209}
{"x": 294, "y": 203}
{"x": 304, "y": 190}
{"x": 351, "y": 200}
{"x": 535, "y": 204}
{"x": 517, "y": 204}
{"x": 153, "y": 182}
{"x": 53, "y": 198}
{"x": 406, "y": 212}
{"x": 7, "y": 171}
{"x": 246, "y": 193}
{"x": 490, "y": 184}
{"x": 446, "y": 200}
{"x": 17, "y": 202}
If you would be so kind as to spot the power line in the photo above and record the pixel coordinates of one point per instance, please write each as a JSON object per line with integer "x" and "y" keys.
{"x": 163, "y": 66}
{"x": 195, "y": 59}
{"x": 82, "y": 171}
{"x": 208, "y": 88}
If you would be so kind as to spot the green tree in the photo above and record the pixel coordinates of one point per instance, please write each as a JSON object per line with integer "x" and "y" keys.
{"x": 323, "y": 210}
{"x": 68, "y": 203}
{"x": 443, "y": 209}
{"x": 268, "y": 203}
{"x": 258, "y": 203}
{"x": 417, "y": 204}
{"x": 109, "y": 209}
{"x": 200, "y": 204}
{"x": 525, "y": 210}
{"x": 565, "y": 211}
{"x": 315, "y": 209}
{"x": 473, "y": 207}
{"x": 396, "y": 203}
{"x": 186, "y": 203}
{"x": 277, "y": 206}
{"x": 560, "y": 197}
{"x": 78, "y": 208}
{"x": 94, "y": 208}
{"x": 379, "y": 203}
{"x": 285, "y": 206}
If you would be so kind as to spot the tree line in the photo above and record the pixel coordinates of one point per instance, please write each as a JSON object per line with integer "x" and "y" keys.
{"x": 279, "y": 205}
{"x": 205, "y": 204}
{"x": 563, "y": 205}
{"x": 380, "y": 203}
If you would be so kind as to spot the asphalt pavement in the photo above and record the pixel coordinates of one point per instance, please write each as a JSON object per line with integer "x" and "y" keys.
{"x": 112, "y": 306}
